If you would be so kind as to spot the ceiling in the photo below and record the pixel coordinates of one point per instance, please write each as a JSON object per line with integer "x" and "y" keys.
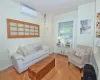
{"x": 54, "y": 6}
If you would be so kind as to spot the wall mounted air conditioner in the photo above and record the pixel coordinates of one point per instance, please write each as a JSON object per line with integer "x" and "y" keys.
{"x": 28, "y": 11}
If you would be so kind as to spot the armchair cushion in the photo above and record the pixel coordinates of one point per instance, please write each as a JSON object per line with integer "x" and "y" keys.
{"x": 86, "y": 58}
{"x": 75, "y": 59}
{"x": 80, "y": 52}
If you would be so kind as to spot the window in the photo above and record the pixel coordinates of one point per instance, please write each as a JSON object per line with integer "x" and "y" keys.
{"x": 65, "y": 33}
{"x": 20, "y": 29}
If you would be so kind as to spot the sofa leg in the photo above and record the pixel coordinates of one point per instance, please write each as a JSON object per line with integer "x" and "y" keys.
{"x": 81, "y": 70}
{"x": 68, "y": 62}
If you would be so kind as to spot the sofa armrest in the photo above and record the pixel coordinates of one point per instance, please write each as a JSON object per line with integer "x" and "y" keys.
{"x": 46, "y": 48}
{"x": 18, "y": 56}
{"x": 86, "y": 58}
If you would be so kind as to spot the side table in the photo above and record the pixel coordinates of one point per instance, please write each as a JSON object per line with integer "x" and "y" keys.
{"x": 67, "y": 51}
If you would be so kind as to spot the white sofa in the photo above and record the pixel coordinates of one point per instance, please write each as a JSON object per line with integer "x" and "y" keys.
{"x": 28, "y": 55}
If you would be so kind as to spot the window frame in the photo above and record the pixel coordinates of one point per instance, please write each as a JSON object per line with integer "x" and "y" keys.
{"x": 24, "y": 23}
{"x": 57, "y": 25}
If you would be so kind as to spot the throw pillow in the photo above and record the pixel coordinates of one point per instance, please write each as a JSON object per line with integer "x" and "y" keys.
{"x": 28, "y": 49}
{"x": 25, "y": 51}
{"x": 80, "y": 52}
{"x": 39, "y": 47}
{"x": 19, "y": 50}
{"x": 77, "y": 52}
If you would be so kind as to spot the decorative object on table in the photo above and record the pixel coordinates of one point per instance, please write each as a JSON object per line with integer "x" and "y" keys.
{"x": 59, "y": 41}
{"x": 98, "y": 26}
{"x": 68, "y": 44}
{"x": 62, "y": 43}
{"x": 58, "y": 44}
{"x": 85, "y": 26}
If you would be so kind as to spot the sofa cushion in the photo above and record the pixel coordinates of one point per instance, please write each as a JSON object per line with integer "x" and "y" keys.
{"x": 38, "y": 47}
{"x": 25, "y": 51}
{"x": 17, "y": 56}
{"x": 33, "y": 56}
{"x": 77, "y": 52}
{"x": 19, "y": 50}
{"x": 75, "y": 59}
{"x": 28, "y": 49}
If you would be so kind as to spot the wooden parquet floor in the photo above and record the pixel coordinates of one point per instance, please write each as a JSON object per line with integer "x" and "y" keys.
{"x": 62, "y": 71}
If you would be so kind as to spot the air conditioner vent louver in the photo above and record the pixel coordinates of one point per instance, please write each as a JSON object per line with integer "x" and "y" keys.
{"x": 29, "y": 11}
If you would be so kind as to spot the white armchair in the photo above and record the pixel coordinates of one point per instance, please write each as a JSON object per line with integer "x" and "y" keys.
{"x": 82, "y": 59}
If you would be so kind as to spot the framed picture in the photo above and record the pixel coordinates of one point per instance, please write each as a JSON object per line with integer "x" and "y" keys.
{"x": 98, "y": 16}
{"x": 85, "y": 26}
{"x": 98, "y": 30}
{"x": 98, "y": 26}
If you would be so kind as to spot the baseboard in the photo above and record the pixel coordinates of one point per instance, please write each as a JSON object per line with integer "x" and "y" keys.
{"x": 1, "y": 69}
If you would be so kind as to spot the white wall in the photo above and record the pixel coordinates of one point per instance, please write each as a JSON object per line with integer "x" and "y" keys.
{"x": 86, "y": 11}
{"x": 97, "y": 6}
{"x": 10, "y": 9}
{"x": 49, "y": 32}
{"x": 96, "y": 39}
{"x": 65, "y": 17}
